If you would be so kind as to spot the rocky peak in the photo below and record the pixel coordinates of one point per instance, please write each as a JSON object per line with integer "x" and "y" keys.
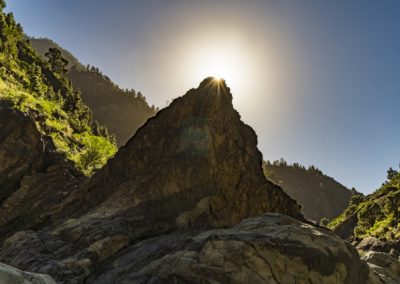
{"x": 195, "y": 162}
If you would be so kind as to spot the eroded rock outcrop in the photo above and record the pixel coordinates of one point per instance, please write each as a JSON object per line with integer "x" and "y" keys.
{"x": 384, "y": 268}
{"x": 33, "y": 177}
{"x": 271, "y": 248}
{"x": 197, "y": 152}
{"x": 11, "y": 275}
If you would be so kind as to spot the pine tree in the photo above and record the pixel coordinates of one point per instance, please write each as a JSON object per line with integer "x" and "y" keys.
{"x": 37, "y": 85}
{"x": 57, "y": 62}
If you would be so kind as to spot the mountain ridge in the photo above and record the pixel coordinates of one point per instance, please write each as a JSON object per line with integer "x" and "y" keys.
{"x": 321, "y": 196}
{"x": 104, "y": 97}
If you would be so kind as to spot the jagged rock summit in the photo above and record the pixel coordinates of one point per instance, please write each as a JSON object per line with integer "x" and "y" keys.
{"x": 196, "y": 152}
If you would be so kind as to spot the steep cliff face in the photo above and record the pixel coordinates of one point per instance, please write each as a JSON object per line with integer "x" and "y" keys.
{"x": 198, "y": 150}
{"x": 33, "y": 176}
{"x": 21, "y": 149}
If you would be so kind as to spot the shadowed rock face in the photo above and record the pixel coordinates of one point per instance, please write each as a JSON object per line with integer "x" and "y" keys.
{"x": 33, "y": 178}
{"x": 192, "y": 167}
{"x": 197, "y": 154}
{"x": 21, "y": 150}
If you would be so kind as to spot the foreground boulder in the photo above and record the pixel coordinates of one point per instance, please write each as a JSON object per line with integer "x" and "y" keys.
{"x": 10, "y": 275}
{"x": 384, "y": 268}
{"x": 271, "y": 248}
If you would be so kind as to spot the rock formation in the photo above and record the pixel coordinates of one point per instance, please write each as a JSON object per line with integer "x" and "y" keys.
{"x": 10, "y": 275}
{"x": 197, "y": 151}
{"x": 384, "y": 268}
{"x": 270, "y": 248}
{"x": 194, "y": 166}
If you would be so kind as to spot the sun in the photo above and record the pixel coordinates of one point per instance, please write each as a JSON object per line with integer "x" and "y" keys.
{"x": 222, "y": 61}
{"x": 218, "y": 63}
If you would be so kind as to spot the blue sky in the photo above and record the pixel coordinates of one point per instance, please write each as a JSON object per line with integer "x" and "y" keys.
{"x": 325, "y": 89}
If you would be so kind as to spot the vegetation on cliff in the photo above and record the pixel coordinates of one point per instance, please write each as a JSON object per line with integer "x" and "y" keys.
{"x": 320, "y": 195}
{"x": 104, "y": 97}
{"x": 41, "y": 90}
{"x": 377, "y": 215}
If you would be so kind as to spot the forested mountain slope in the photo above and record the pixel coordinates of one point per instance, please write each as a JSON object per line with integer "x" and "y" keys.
{"x": 319, "y": 195}
{"x": 122, "y": 111}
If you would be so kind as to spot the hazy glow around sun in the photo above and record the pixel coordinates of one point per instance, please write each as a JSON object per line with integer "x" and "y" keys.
{"x": 227, "y": 60}
{"x": 233, "y": 56}
{"x": 220, "y": 62}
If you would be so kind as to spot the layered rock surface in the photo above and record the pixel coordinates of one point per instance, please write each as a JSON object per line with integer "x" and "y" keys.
{"x": 10, "y": 275}
{"x": 384, "y": 268}
{"x": 271, "y": 248}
